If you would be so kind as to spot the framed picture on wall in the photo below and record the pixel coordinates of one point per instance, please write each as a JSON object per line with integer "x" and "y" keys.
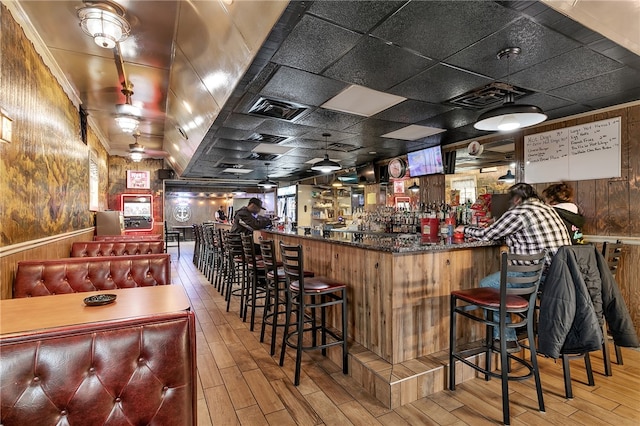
{"x": 398, "y": 187}
{"x": 138, "y": 179}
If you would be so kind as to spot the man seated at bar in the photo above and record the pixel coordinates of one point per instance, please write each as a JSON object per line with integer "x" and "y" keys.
{"x": 529, "y": 226}
{"x": 247, "y": 220}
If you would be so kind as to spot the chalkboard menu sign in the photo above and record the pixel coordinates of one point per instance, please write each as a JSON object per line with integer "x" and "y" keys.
{"x": 587, "y": 151}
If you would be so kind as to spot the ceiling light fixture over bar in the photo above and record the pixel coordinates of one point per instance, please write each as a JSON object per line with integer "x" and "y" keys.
{"x": 267, "y": 183}
{"x": 326, "y": 165}
{"x": 104, "y": 21}
{"x": 510, "y": 116}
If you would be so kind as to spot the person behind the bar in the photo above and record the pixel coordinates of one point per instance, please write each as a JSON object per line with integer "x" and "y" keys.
{"x": 220, "y": 216}
{"x": 560, "y": 196}
{"x": 247, "y": 220}
{"x": 529, "y": 226}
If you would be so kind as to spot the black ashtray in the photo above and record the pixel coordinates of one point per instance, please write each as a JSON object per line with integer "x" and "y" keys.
{"x": 100, "y": 299}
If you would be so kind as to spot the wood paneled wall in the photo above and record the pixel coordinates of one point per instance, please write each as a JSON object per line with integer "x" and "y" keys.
{"x": 50, "y": 248}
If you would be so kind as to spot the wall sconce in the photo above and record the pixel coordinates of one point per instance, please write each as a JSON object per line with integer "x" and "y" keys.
{"x": 104, "y": 22}
{"x": 6, "y": 127}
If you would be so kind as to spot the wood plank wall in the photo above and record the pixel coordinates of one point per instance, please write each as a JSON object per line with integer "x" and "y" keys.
{"x": 53, "y": 248}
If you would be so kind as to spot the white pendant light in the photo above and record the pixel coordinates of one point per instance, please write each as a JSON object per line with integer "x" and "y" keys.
{"x": 326, "y": 165}
{"x": 128, "y": 116}
{"x": 414, "y": 188}
{"x": 509, "y": 115}
{"x": 105, "y": 23}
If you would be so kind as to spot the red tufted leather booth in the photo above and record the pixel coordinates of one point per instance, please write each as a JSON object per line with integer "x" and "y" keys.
{"x": 128, "y": 237}
{"x": 136, "y": 372}
{"x": 77, "y": 274}
{"x": 115, "y": 248}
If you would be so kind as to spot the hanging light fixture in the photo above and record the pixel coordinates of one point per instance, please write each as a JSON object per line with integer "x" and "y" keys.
{"x": 136, "y": 157}
{"x": 104, "y": 21}
{"x": 414, "y": 187}
{"x": 267, "y": 183}
{"x": 128, "y": 116}
{"x": 510, "y": 116}
{"x": 509, "y": 177}
{"x": 326, "y": 165}
{"x": 237, "y": 190}
{"x": 337, "y": 183}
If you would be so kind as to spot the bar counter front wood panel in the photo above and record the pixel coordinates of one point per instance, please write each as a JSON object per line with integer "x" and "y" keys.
{"x": 398, "y": 304}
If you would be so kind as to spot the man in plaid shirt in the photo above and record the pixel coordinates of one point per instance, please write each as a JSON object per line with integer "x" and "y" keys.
{"x": 528, "y": 227}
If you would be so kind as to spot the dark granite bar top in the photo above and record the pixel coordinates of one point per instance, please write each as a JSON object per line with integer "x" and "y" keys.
{"x": 388, "y": 242}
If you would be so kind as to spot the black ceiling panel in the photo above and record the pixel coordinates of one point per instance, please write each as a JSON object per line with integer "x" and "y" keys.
{"x": 330, "y": 120}
{"x": 359, "y": 16}
{"x": 289, "y": 84}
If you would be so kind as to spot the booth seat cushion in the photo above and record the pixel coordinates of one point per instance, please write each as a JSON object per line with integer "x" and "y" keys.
{"x": 115, "y": 248}
{"x": 140, "y": 372}
{"x": 128, "y": 237}
{"x": 78, "y": 274}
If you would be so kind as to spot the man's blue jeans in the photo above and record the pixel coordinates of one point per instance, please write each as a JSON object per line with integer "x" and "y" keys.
{"x": 493, "y": 281}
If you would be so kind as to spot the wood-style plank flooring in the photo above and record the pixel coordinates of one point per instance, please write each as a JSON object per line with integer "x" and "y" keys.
{"x": 239, "y": 383}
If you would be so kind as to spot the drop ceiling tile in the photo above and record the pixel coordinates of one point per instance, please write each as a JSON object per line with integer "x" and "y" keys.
{"x": 536, "y": 42}
{"x": 330, "y": 120}
{"x": 360, "y": 16}
{"x": 230, "y": 133}
{"x": 311, "y": 31}
{"x": 289, "y": 84}
{"x": 411, "y": 111}
{"x": 452, "y": 25}
{"x": 439, "y": 83}
{"x": 377, "y": 65}
{"x": 615, "y": 82}
{"x": 282, "y": 128}
{"x": 374, "y": 127}
{"x": 243, "y": 122}
{"x": 568, "y": 68}
{"x": 233, "y": 145}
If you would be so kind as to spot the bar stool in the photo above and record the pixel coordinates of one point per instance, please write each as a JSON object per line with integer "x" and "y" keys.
{"x": 197, "y": 247}
{"x": 611, "y": 253}
{"x": 298, "y": 290}
{"x": 222, "y": 267}
{"x": 237, "y": 270}
{"x": 256, "y": 277}
{"x": 275, "y": 291}
{"x": 480, "y": 304}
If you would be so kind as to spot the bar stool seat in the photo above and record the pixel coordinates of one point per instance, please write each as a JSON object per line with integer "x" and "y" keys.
{"x": 519, "y": 281}
{"x": 302, "y": 295}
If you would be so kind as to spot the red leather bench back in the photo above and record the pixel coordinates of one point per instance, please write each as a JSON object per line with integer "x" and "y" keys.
{"x": 141, "y": 372}
{"x": 78, "y": 274}
{"x": 115, "y": 248}
{"x": 128, "y": 237}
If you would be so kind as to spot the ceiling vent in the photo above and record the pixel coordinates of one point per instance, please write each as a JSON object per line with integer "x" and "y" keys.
{"x": 264, "y": 138}
{"x": 262, "y": 157}
{"x": 282, "y": 110}
{"x": 492, "y": 94}
{"x": 337, "y": 146}
{"x": 229, "y": 166}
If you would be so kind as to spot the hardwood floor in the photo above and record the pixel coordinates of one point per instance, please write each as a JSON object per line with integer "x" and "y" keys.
{"x": 239, "y": 383}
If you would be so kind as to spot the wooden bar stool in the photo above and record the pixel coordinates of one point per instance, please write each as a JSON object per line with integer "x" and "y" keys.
{"x": 275, "y": 304}
{"x": 611, "y": 253}
{"x": 480, "y": 305}
{"x": 256, "y": 279}
{"x": 302, "y": 294}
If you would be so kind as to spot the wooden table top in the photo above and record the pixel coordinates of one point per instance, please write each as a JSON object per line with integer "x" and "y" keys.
{"x": 38, "y": 313}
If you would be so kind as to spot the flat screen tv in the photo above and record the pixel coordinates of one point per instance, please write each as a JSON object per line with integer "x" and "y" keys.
{"x": 427, "y": 161}
{"x": 366, "y": 173}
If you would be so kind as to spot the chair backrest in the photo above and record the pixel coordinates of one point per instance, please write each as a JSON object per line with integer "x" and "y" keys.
{"x": 611, "y": 253}
{"x": 268, "y": 251}
{"x": 249, "y": 251}
{"x": 292, "y": 262}
{"x": 527, "y": 269}
{"x": 166, "y": 228}
{"x": 233, "y": 244}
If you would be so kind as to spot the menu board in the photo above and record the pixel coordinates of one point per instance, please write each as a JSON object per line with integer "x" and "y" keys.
{"x": 587, "y": 151}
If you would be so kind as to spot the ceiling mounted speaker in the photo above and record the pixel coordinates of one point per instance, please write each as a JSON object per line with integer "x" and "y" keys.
{"x": 475, "y": 149}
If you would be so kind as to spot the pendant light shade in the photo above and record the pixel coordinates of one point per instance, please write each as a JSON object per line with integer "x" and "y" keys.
{"x": 414, "y": 187}
{"x": 509, "y": 177}
{"x": 326, "y": 165}
{"x": 509, "y": 115}
{"x": 105, "y": 23}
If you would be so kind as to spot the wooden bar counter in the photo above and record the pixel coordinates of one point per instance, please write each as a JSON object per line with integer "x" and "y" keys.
{"x": 398, "y": 304}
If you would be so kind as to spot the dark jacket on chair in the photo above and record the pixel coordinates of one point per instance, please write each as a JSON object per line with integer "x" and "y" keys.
{"x": 579, "y": 294}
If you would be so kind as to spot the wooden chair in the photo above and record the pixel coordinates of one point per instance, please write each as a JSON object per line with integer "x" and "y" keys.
{"x": 173, "y": 236}
{"x": 480, "y": 304}
{"x": 611, "y": 253}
